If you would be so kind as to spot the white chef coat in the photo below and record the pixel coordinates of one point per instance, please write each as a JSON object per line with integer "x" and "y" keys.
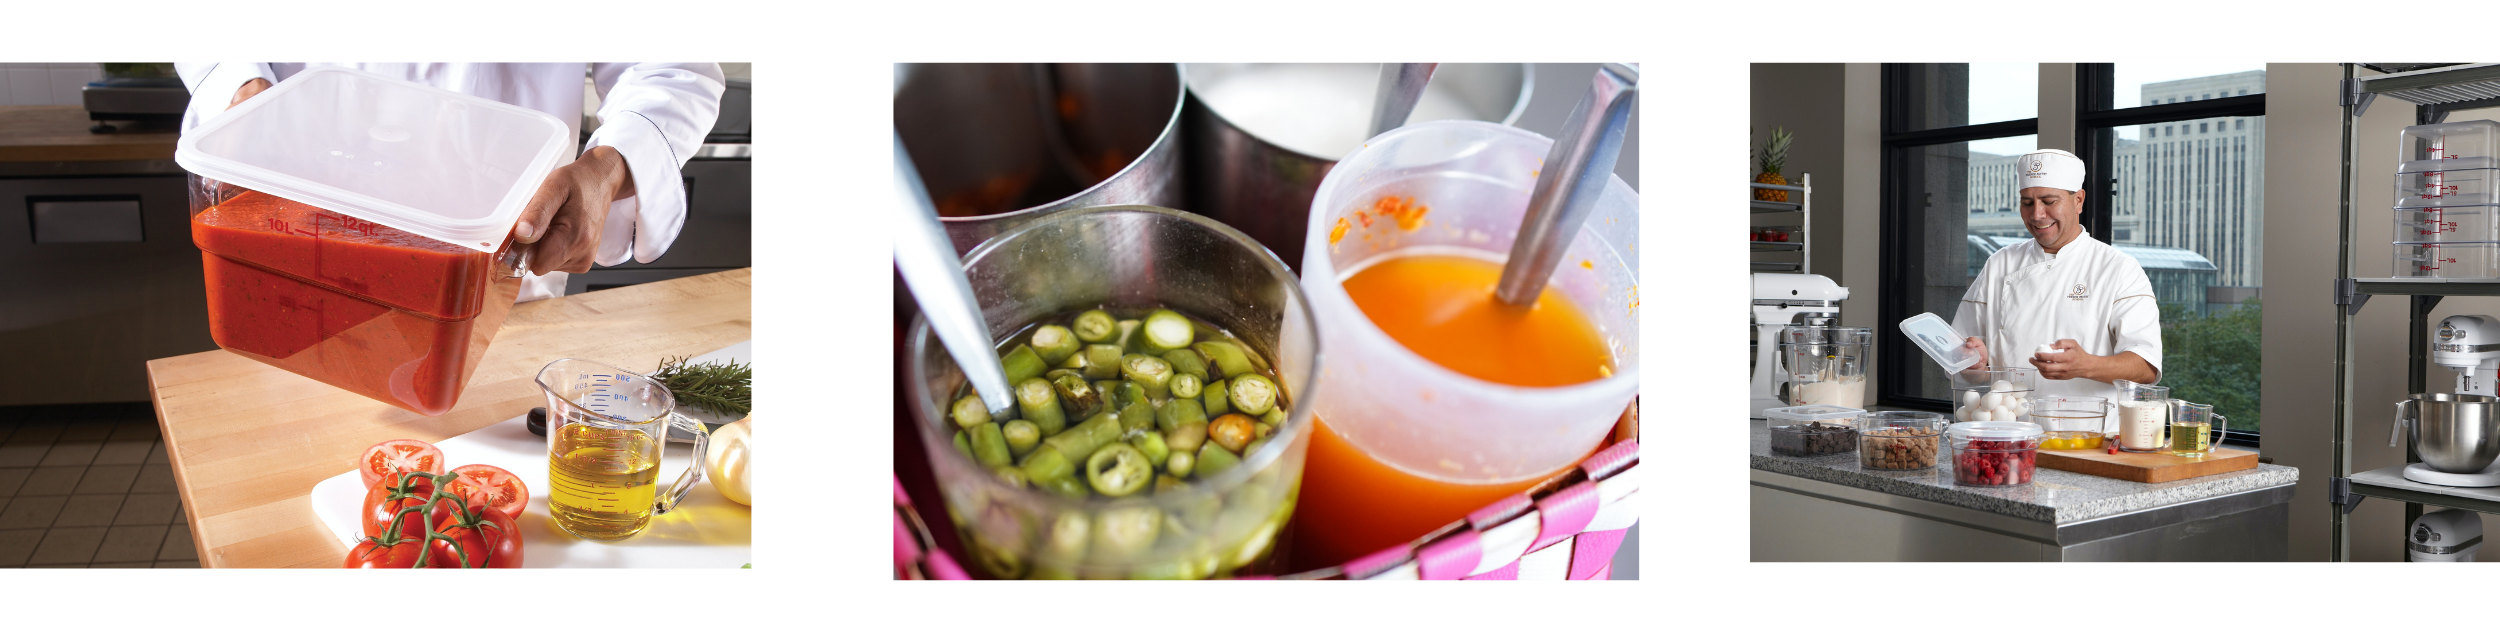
{"x": 654, "y": 114}
{"x": 2090, "y": 292}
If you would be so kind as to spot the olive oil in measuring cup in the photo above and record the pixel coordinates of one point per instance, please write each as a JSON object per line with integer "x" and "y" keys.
{"x": 606, "y": 429}
{"x": 2188, "y": 438}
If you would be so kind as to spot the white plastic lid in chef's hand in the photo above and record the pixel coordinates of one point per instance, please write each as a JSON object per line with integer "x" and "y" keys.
{"x": 448, "y": 166}
{"x": 1942, "y": 344}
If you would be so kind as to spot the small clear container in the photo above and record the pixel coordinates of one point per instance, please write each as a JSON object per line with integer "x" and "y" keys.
{"x": 1813, "y": 430}
{"x": 1993, "y": 393}
{"x": 1994, "y": 453}
{"x": 1826, "y": 364}
{"x": 2072, "y": 422}
{"x": 1896, "y": 440}
{"x": 2468, "y": 224}
{"x": 2447, "y": 147}
{"x": 2437, "y": 189}
{"x": 2452, "y": 261}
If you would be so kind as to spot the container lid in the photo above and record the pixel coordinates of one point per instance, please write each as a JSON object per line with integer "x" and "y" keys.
{"x": 446, "y": 166}
{"x": 1893, "y": 418}
{"x": 1995, "y": 431}
{"x": 1818, "y": 413}
{"x": 1942, "y": 344}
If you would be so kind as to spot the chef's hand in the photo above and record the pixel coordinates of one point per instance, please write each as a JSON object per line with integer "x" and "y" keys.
{"x": 2065, "y": 365}
{"x": 249, "y": 89}
{"x": 561, "y": 225}
{"x": 1982, "y": 346}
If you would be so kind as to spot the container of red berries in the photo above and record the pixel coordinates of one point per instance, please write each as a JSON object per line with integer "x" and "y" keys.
{"x": 1994, "y": 453}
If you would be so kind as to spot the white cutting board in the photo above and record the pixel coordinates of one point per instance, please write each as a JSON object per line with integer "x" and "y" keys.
{"x": 705, "y": 531}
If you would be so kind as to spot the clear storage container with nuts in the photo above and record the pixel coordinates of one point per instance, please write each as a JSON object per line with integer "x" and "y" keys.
{"x": 1899, "y": 440}
{"x": 1813, "y": 430}
{"x": 1994, "y": 453}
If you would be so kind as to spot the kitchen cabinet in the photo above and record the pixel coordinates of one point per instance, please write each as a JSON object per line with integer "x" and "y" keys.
{"x": 100, "y": 277}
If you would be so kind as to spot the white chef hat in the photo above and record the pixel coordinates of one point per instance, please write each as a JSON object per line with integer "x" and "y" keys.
{"x": 2054, "y": 169}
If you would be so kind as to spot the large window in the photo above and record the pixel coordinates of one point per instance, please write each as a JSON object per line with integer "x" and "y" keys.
{"x": 2176, "y": 157}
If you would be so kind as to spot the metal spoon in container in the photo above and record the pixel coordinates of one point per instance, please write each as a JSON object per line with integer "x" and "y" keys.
{"x": 1576, "y": 172}
{"x": 929, "y": 265}
{"x": 1401, "y": 87}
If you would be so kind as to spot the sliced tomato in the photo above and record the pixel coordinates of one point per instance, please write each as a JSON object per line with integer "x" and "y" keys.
{"x": 491, "y": 487}
{"x": 396, "y": 456}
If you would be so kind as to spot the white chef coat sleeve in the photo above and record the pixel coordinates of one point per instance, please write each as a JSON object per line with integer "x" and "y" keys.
{"x": 1969, "y": 317}
{"x": 655, "y": 115}
{"x": 212, "y": 87}
{"x": 2135, "y": 319}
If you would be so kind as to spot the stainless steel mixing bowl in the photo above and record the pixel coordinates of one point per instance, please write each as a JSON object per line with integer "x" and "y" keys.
{"x": 999, "y": 144}
{"x": 2452, "y": 433}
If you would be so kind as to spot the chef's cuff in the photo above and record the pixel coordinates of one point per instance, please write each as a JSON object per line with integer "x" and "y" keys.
{"x": 643, "y": 226}
{"x": 215, "y": 91}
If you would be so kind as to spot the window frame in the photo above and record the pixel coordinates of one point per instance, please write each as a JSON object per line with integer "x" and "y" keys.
{"x": 1901, "y": 234}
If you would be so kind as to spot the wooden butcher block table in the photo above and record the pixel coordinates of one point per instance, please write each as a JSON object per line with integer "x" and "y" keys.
{"x": 249, "y": 440}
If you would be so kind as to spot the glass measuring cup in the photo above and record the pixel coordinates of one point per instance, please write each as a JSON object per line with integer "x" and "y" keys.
{"x": 2188, "y": 425}
{"x": 2143, "y": 415}
{"x": 606, "y": 429}
{"x": 1405, "y": 444}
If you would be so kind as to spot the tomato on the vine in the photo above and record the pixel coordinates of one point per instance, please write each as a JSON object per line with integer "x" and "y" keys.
{"x": 487, "y": 535}
{"x": 385, "y": 500}
{"x": 373, "y": 553}
{"x": 398, "y": 456}
{"x": 490, "y": 486}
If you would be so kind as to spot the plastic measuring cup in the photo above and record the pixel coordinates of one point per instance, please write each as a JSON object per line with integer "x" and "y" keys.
{"x": 606, "y": 429}
{"x": 370, "y": 250}
{"x": 1407, "y": 445}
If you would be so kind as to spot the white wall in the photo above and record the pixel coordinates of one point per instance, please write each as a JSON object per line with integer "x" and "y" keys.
{"x": 40, "y": 84}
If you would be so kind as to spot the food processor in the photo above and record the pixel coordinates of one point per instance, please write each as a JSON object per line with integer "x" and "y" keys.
{"x": 1782, "y": 300}
{"x": 2445, "y": 536}
{"x": 2454, "y": 435}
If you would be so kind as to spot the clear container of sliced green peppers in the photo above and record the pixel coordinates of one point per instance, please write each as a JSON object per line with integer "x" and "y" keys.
{"x": 1161, "y": 364}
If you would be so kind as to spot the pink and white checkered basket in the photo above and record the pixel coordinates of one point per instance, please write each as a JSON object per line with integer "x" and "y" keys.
{"x": 1568, "y": 532}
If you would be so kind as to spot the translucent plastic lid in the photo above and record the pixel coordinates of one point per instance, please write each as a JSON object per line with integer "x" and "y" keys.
{"x": 1995, "y": 431}
{"x": 442, "y": 165}
{"x": 1941, "y": 343}
{"x": 2450, "y": 146}
{"x": 1819, "y": 413}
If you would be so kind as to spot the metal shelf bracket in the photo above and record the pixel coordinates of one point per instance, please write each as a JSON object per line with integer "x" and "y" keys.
{"x": 2349, "y": 297}
{"x": 2354, "y": 97}
{"x": 2339, "y": 492}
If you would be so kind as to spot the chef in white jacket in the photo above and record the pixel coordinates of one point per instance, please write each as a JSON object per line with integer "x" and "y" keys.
{"x": 652, "y": 118}
{"x": 2063, "y": 291}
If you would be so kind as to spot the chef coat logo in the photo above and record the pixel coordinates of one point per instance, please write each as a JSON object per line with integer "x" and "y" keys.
{"x": 2078, "y": 295}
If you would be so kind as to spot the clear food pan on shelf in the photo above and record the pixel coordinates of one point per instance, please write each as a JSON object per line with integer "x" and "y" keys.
{"x": 2454, "y": 261}
{"x": 2436, "y": 189}
{"x": 2448, "y": 147}
{"x": 2468, "y": 224}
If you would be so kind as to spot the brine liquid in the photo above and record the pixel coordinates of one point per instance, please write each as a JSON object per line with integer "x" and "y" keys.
{"x": 1442, "y": 307}
{"x": 2188, "y": 439}
{"x": 601, "y": 481}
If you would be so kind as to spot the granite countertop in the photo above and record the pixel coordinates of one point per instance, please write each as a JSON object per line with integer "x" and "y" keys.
{"x": 2059, "y": 497}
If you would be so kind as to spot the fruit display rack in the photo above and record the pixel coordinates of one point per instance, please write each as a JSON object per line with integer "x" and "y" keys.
{"x": 2435, "y": 90}
{"x": 1803, "y": 207}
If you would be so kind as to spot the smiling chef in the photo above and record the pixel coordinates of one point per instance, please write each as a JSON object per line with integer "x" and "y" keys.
{"x": 2064, "y": 303}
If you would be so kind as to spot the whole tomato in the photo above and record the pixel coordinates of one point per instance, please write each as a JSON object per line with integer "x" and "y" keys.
{"x": 383, "y": 553}
{"x": 487, "y": 535}
{"x": 387, "y": 498}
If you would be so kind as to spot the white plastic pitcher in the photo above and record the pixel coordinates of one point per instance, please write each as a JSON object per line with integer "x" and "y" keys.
{"x": 1413, "y": 414}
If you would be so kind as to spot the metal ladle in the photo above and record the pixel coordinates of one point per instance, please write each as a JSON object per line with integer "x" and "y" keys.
{"x": 1575, "y": 176}
{"x": 929, "y": 265}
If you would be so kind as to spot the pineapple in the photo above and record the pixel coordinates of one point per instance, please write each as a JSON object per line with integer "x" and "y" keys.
{"x": 1774, "y": 155}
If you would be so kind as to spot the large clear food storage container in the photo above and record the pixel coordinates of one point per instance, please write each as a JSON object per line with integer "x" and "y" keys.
{"x": 2450, "y": 146}
{"x": 1994, "y": 453}
{"x": 368, "y": 245}
{"x": 2456, "y": 187}
{"x": 2455, "y": 261}
{"x": 1826, "y": 364}
{"x": 2466, "y": 224}
{"x": 1993, "y": 393}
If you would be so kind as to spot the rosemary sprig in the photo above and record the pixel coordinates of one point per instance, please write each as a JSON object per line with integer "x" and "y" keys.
{"x": 723, "y": 388}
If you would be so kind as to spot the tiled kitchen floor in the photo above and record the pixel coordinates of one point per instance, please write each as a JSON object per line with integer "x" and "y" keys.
{"x": 88, "y": 485}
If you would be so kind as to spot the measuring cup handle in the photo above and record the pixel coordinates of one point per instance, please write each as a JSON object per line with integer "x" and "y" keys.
{"x": 694, "y": 472}
{"x": 2221, "y": 431}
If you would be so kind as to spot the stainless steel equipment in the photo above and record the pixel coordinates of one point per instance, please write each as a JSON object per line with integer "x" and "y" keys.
{"x": 2449, "y": 535}
{"x": 2470, "y": 344}
{"x": 2457, "y": 437}
{"x": 1002, "y": 143}
{"x": 1265, "y": 189}
{"x": 1779, "y": 301}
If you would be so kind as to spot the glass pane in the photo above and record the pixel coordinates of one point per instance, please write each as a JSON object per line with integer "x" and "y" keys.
{"x": 2146, "y": 84}
{"x": 2189, "y": 206}
{"x": 1944, "y": 95}
{"x": 1970, "y": 200}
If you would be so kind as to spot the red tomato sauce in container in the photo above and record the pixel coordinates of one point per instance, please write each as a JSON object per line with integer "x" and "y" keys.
{"x": 364, "y": 307}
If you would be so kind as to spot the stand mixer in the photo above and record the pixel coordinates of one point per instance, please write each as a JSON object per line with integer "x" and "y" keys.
{"x": 2470, "y": 345}
{"x": 1781, "y": 300}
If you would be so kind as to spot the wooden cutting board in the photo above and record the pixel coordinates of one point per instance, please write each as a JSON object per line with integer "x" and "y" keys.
{"x": 2147, "y": 468}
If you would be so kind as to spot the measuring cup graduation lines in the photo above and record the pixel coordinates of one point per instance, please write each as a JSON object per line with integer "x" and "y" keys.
{"x": 604, "y": 448}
